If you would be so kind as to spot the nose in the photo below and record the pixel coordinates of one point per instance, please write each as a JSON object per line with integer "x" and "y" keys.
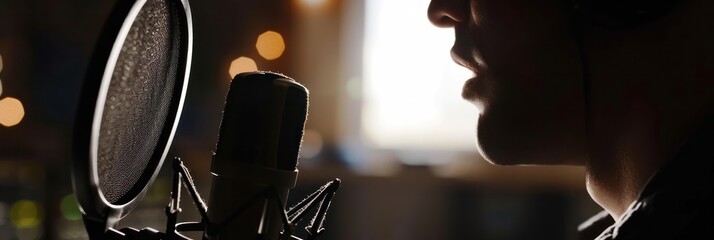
{"x": 447, "y": 13}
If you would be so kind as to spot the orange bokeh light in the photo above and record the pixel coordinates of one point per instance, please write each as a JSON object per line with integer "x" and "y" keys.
{"x": 242, "y": 64}
{"x": 11, "y": 112}
{"x": 270, "y": 45}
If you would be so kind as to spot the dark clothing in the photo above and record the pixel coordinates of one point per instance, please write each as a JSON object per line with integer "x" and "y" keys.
{"x": 675, "y": 203}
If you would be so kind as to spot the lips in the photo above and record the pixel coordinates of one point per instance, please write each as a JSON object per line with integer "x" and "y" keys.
{"x": 462, "y": 57}
{"x": 470, "y": 89}
{"x": 474, "y": 89}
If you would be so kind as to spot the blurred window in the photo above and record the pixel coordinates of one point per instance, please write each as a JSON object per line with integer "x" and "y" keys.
{"x": 412, "y": 88}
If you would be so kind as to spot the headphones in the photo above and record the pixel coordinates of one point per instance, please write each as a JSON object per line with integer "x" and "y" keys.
{"x": 620, "y": 15}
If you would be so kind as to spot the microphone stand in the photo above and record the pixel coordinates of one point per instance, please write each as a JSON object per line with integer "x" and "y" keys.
{"x": 181, "y": 175}
{"x": 290, "y": 218}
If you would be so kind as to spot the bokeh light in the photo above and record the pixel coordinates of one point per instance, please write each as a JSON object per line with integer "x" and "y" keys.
{"x": 157, "y": 191}
{"x": 69, "y": 208}
{"x": 25, "y": 214}
{"x": 0, "y": 87}
{"x": 311, "y": 144}
{"x": 313, "y": 3}
{"x": 270, "y": 45}
{"x": 240, "y": 65}
{"x": 11, "y": 111}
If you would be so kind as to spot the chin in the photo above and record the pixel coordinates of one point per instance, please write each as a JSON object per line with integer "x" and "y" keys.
{"x": 508, "y": 140}
{"x": 498, "y": 146}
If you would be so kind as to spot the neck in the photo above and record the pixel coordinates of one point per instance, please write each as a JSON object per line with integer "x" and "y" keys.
{"x": 646, "y": 104}
{"x": 622, "y": 162}
{"x": 639, "y": 144}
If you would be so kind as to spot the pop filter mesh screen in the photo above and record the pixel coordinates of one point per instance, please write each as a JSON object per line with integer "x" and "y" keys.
{"x": 138, "y": 101}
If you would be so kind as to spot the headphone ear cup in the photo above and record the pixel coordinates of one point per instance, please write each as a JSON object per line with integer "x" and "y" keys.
{"x": 624, "y": 14}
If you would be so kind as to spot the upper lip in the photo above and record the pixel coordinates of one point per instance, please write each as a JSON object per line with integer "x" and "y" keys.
{"x": 464, "y": 59}
{"x": 463, "y": 54}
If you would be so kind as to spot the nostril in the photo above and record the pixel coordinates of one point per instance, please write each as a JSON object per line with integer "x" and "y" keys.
{"x": 446, "y": 13}
{"x": 446, "y": 21}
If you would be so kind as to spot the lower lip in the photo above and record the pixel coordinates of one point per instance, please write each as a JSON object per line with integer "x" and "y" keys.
{"x": 470, "y": 89}
{"x": 473, "y": 91}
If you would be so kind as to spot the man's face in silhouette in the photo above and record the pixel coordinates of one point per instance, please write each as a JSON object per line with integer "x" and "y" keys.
{"x": 527, "y": 79}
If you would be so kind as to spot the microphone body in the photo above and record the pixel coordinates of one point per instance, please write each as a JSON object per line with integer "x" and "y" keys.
{"x": 256, "y": 156}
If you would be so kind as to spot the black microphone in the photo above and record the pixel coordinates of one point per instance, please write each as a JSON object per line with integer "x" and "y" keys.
{"x": 254, "y": 165}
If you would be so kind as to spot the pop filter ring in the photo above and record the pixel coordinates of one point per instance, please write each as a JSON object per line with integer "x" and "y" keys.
{"x": 99, "y": 213}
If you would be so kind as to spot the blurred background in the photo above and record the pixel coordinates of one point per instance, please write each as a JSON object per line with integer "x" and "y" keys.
{"x": 385, "y": 116}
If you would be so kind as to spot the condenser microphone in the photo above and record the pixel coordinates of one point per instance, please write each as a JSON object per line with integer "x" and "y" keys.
{"x": 128, "y": 113}
{"x": 254, "y": 165}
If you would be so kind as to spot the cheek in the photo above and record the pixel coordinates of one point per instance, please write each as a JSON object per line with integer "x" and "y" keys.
{"x": 535, "y": 116}
{"x": 520, "y": 34}
{"x": 528, "y": 49}
{"x": 535, "y": 113}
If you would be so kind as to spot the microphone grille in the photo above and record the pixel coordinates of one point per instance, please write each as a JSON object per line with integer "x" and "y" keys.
{"x": 263, "y": 120}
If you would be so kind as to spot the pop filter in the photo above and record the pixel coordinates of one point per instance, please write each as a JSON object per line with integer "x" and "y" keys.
{"x": 130, "y": 106}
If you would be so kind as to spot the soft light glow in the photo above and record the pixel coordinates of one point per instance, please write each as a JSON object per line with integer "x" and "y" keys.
{"x": 412, "y": 89}
{"x": 69, "y": 208}
{"x": 270, "y": 45}
{"x": 0, "y": 87}
{"x": 313, "y": 3}
{"x": 311, "y": 144}
{"x": 11, "y": 112}
{"x": 25, "y": 214}
{"x": 240, "y": 65}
